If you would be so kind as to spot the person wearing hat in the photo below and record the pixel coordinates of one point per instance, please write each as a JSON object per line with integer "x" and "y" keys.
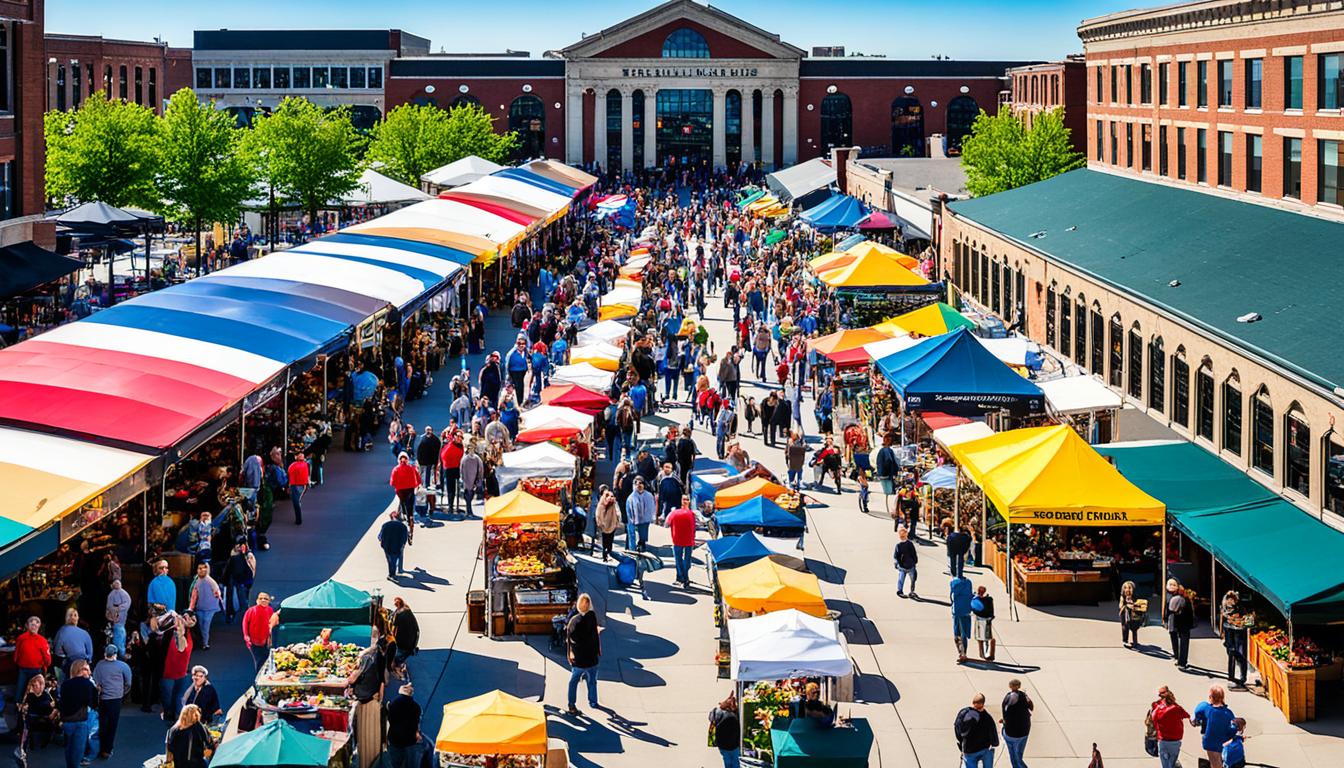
{"x": 517, "y": 363}
{"x": 113, "y": 678}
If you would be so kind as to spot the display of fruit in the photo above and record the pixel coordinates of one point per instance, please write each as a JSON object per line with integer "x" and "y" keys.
{"x": 522, "y": 565}
{"x": 788, "y": 500}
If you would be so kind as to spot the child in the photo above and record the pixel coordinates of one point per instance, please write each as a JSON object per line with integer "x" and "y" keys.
{"x": 750, "y": 412}
{"x": 862, "y": 477}
{"x": 1234, "y": 749}
{"x": 782, "y": 372}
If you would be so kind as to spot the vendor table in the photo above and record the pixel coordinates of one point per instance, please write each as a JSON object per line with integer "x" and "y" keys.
{"x": 1061, "y": 587}
{"x": 803, "y": 742}
{"x": 1293, "y": 691}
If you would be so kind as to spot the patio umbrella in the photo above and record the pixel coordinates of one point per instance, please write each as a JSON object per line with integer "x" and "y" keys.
{"x": 274, "y": 745}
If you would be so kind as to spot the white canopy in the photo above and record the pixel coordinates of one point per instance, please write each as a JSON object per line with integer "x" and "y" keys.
{"x": 544, "y": 415}
{"x": 604, "y": 331}
{"x": 376, "y": 189}
{"x": 801, "y": 179}
{"x": 441, "y": 267}
{"x": 1079, "y": 394}
{"x": 1012, "y": 350}
{"x": 585, "y": 375}
{"x": 596, "y": 349}
{"x": 366, "y": 279}
{"x": 540, "y": 460}
{"x": 459, "y": 172}
{"x": 523, "y": 192}
{"x": 138, "y": 341}
{"x": 880, "y": 349}
{"x": 628, "y": 296}
{"x": 961, "y": 433}
{"x": 449, "y": 216}
{"x": 786, "y": 644}
{"x": 44, "y": 477}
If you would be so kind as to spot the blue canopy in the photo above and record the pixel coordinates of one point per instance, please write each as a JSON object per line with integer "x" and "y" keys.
{"x": 427, "y": 279}
{"x": 365, "y": 306}
{"x": 705, "y": 484}
{"x": 955, "y": 374}
{"x": 414, "y": 246}
{"x": 277, "y": 295}
{"x": 941, "y": 477}
{"x": 258, "y": 334}
{"x": 537, "y": 180}
{"x": 850, "y": 242}
{"x": 737, "y": 551}
{"x": 839, "y": 212}
{"x": 706, "y": 464}
{"x": 759, "y": 512}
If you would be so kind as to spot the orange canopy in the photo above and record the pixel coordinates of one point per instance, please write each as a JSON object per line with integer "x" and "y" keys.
{"x": 519, "y": 506}
{"x": 847, "y": 339}
{"x": 744, "y": 492}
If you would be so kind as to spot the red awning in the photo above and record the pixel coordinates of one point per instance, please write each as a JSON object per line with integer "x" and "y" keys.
{"x": 848, "y": 358}
{"x": 576, "y": 397}
{"x": 937, "y": 420}
{"x": 499, "y": 210}
{"x": 542, "y": 434}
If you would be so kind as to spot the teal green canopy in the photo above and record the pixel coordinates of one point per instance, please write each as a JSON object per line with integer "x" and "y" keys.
{"x": 774, "y": 237}
{"x": 1275, "y": 548}
{"x": 801, "y": 742}
{"x": 274, "y": 745}
{"x": 305, "y": 631}
{"x": 331, "y": 602}
{"x": 750, "y": 198}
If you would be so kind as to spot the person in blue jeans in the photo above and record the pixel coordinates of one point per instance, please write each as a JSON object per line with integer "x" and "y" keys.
{"x": 961, "y": 615}
{"x": 1016, "y": 722}
{"x": 583, "y": 648}
{"x": 1216, "y": 723}
{"x": 976, "y": 735}
{"x": 727, "y": 731}
{"x": 79, "y": 707}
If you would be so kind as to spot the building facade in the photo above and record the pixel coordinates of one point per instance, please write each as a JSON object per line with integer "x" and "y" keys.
{"x": 250, "y": 72}
{"x": 22, "y": 100}
{"x": 1062, "y": 85}
{"x": 1246, "y": 98}
{"x": 136, "y": 72}
{"x": 687, "y": 83}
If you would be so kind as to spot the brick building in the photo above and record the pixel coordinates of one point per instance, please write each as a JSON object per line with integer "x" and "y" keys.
{"x": 139, "y": 72}
{"x": 1241, "y": 97}
{"x": 1038, "y": 88}
{"x": 22, "y": 57}
{"x": 685, "y": 82}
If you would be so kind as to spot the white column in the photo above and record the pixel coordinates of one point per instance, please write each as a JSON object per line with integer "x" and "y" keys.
{"x": 600, "y": 128}
{"x": 790, "y": 155}
{"x": 768, "y": 128}
{"x": 627, "y": 132}
{"x": 720, "y": 134}
{"x": 650, "y": 127}
{"x": 748, "y": 126}
{"x": 574, "y": 124}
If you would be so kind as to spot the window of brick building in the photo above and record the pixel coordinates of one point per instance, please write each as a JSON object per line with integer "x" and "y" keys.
{"x": 107, "y": 80}
{"x": 1224, "y": 158}
{"x": 1157, "y": 375}
{"x": 1180, "y": 389}
{"x": 1254, "y": 75}
{"x": 153, "y": 87}
{"x": 1066, "y": 325}
{"x": 1201, "y": 155}
{"x": 1204, "y": 402}
{"x": 6, "y": 67}
{"x": 1292, "y": 82}
{"x": 994, "y": 290}
{"x": 1224, "y": 83}
{"x": 1080, "y": 332}
{"x": 1101, "y": 147}
{"x": 60, "y": 88}
{"x": 1135, "y": 363}
{"x": 1292, "y": 168}
{"x": 1163, "y": 74}
{"x": 1202, "y": 84}
{"x": 1182, "y": 83}
{"x": 1180, "y": 153}
{"x": 204, "y": 78}
{"x": 1255, "y": 161}
{"x": 76, "y": 89}
{"x": 1334, "y": 472}
{"x": 1330, "y": 81}
{"x": 1098, "y": 348}
{"x": 123, "y": 87}
{"x": 1331, "y": 182}
{"x": 1162, "y": 150}
{"x": 139, "y": 85}
{"x": 1115, "y": 84}
{"x": 1145, "y": 83}
{"x": 1129, "y": 145}
{"x": 1297, "y": 457}
{"x": 1146, "y": 136}
{"x": 1097, "y": 93}
{"x": 88, "y": 72}
{"x": 1115, "y": 158}
{"x": 1050, "y": 316}
{"x": 1232, "y": 409}
{"x": 1117, "y": 344}
{"x": 1129, "y": 83}
{"x": 1262, "y": 432}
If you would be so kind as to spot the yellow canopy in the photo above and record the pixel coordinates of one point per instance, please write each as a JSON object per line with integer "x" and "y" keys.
{"x": 493, "y": 723}
{"x": 764, "y": 586}
{"x": 874, "y": 269}
{"x": 868, "y": 247}
{"x": 768, "y": 201}
{"x": 832, "y": 260}
{"x": 518, "y": 506}
{"x": 890, "y": 328}
{"x": 616, "y": 311}
{"x": 744, "y": 492}
{"x": 594, "y": 358}
{"x": 1051, "y": 476}
{"x": 932, "y": 320}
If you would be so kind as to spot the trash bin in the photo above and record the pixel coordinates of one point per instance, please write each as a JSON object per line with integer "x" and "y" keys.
{"x": 476, "y": 611}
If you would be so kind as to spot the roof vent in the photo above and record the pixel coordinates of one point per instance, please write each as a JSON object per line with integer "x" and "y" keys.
{"x": 1249, "y": 317}
{"x": 1174, "y": 284}
{"x": 1037, "y": 235}
{"x": 1071, "y": 229}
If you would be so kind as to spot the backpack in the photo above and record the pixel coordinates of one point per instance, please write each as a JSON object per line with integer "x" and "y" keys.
{"x": 277, "y": 476}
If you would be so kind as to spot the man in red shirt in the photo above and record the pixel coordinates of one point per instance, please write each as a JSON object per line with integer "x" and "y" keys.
{"x": 681, "y": 523}
{"x": 32, "y": 654}
{"x": 450, "y": 458}
{"x": 298, "y": 484}
{"x": 257, "y": 624}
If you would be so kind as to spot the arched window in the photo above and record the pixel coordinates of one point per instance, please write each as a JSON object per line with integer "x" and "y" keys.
{"x": 1098, "y": 335}
{"x": 1136, "y": 363}
{"x": 613, "y": 158}
{"x": 974, "y": 287}
{"x": 527, "y": 116}
{"x": 637, "y": 128}
{"x": 465, "y": 100}
{"x": 363, "y": 117}
{"x": 732, "y": 130}
{"x": 1050, "y": 316}
{"x": 1007, "y": 292}
{"x": 424, "y": 101}
{"x": 1334, "y": 471}
{"x": 837, "y": 121}
{"x": 1080, "y": 332}
{"x": 1262, "y": 432}
{"x": 1117, "y": 340}
{"x": 1180, "y": 388}
{"x": 994, "y": 290}
{"x": 1232, "y": 409}
{"x": 1066, "y": 324}
{"x": 1157, "y": 375}
{"x": 961, "y": 113}
{"x": 984, "y": 278}
{"x": 1204, "y": 400}
{"x": 1297, "y": 457}
{"x": 907, "y": 127}
{"x": 685, "y": 44}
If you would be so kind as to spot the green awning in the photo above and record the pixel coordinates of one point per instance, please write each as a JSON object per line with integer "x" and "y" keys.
{"x": 750, "y": 198}
{"x": 1277, "y": 549}
{"x": 276, "y": 744}
{"x": 329, "y": 602}
{"x": 775, "y": 236}
{"x": 804, "y": 742}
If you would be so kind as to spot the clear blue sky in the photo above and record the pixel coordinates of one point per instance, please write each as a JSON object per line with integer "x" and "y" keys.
{"x": 914, "y": 29}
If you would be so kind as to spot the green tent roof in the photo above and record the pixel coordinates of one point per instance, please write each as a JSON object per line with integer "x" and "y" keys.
{"x": 1231, "y": 258}
{"x": 330, "y": 601}
{"x": 274, "y": 745}
{"x": 801, "y": 742}
{"x": 1277, "y": 549}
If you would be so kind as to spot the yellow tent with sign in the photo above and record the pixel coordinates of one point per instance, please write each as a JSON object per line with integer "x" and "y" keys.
{"x": 744, "y": 492}
{"x": 872, "y": 270}
{"x": 1051, "y": 476}
{"x": 869, "y": 247}
{"x": 493, "y": 723}
{"x": 518, "y": 506}
{"x": 764, "y": 586}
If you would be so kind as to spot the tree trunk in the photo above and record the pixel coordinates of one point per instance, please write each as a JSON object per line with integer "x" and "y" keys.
{"x": 202, "y": 265}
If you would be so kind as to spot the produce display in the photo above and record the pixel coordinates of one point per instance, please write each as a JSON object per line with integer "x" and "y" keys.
{"x": 523, "y": 565}
{"x": 449, "y": 760}
{"x": 548, "y": 489}
{"x": 1304, "y": 653}
{"x": 788, "y": 500}
{"x": 321, "y": 661}
{"x": 296, "y": 699}
{"x": 761, "y": 704}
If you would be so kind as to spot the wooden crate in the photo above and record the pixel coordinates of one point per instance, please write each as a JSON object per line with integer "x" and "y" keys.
{"x": 1060, "y": 587}
{"x": 997, "y": 560}
{"x": 1293, "y": 691}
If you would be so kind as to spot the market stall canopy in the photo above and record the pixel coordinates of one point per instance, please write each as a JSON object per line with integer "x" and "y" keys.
{"x": 737, "y": 551}
{"x": 1243, "y": 524}
{"x": 803, "y": 743}
{"x": 541, "y": 460}
{"x": 1017, "y": 351}
{"x": 98, "y": 218}
{"x": 564, "y": 174}
{"x": 583, "y": 374}
{"x": 537, "y": 180}
{"x": 599, "y": 354}
{"x": 837, "y": 212}
{"x": 845, "y": 340}
{"x": 874, "y": 270}
{"x": 750, "y": 197}
{"x": 867, "y": 247}
{"x": 493, "y": 723}
{"x": 25, "y": 266}
{"x": 957, "y": 434}
{"x": 786, "y": 644}
{"x": 831, "y": 261}
{"x": 511, "y": 209}
{"x": 608, "y": 331}
{"x": 746, "y": 491}
{"x": 764, "y": 586}
{"x": 518, "y": 506}
{"x": 44, "y": 478}
{"x": 554, "y": 203}
{"x": 935, "y": 420}
{"x": 1079, "y": 394}
{"x": 801, "y": 180}
{"x": 543, "y": 415}
{"x": 460, "y": 172}
{"x": 877, "y": 221}
{"x": 376, "y": 189}
{"x": 1051, "y": 476}
{"x": 576, "y": 397}
{"x": 450, "y": 223}
{"x": 879, "y": 349}
{"x": 955, "y": 374}
{"x": 932, "y": 320}
{"x": 944, "y": 477}
{"x": 545, "y": 432}
{"x": 758, "y": 512}
{"x": 276, "y": 744}
{"x": 331, "y": 601}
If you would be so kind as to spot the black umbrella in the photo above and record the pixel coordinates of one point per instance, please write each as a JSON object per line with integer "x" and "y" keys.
{"x": 99, "y": 218}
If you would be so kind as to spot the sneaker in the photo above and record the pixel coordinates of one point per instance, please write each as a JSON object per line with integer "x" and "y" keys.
{"x": 574, "y": 711}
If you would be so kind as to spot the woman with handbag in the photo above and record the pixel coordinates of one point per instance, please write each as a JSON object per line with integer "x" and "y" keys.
{"x": 725, "y": 731}
{"x": 1131, "y": 618}
{"x": 188, "y": 743}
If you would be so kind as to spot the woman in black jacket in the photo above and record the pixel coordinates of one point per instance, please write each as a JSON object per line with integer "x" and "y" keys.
{"x": 187, "y": 741}
{"x": 583, "y": 648}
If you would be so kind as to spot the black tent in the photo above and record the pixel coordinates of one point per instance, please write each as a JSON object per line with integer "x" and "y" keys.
{"x": 24, "y": 266}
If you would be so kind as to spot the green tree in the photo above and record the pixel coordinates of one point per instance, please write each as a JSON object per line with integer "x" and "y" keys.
{"x": 103, "y": 151}
{"x": 1002, "y": 154}
{"x": 306, "y": 155}
{"x": 414, "y": 139}
{"x": 203, "y": 177}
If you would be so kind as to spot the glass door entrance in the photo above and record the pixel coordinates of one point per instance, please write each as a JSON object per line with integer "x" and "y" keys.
{"x": 685, "y": 127}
